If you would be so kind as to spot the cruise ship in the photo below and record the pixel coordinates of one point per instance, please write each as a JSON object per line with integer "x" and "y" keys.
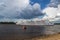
{"x": 42, "y": 22}
{"x": 36, "y": 21}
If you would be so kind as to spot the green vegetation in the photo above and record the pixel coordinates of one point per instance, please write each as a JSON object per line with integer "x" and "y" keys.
{"x": 56, "y": 23}
{"x": 7, "y": 23}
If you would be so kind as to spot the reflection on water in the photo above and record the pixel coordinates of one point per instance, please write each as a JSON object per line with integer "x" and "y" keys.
{"x": 15, "y": 32}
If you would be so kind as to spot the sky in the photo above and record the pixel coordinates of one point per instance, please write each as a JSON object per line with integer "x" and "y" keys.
{"x": 43, "y": 3}
{"x": 28, "y": 9}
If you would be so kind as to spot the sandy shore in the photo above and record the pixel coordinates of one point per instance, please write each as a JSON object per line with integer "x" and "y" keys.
{"x": 49, "y": 37}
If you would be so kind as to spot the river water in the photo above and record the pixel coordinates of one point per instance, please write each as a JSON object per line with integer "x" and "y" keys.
{"x": 16, "y": 32}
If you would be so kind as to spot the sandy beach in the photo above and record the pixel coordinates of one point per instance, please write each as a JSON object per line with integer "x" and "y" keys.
{"x": 49, "y": 37}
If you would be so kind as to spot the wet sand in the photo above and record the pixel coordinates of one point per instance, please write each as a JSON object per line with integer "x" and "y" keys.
{"x": 16, "y": 32}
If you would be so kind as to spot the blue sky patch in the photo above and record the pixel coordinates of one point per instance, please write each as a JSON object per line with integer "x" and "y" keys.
{"x": 43, "y": 3}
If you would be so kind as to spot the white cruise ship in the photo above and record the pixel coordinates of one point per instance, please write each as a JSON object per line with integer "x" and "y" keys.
{"x": 36, "y": 21}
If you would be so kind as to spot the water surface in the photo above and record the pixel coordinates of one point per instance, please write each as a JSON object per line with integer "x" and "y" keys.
{"x": 16, "y": 32}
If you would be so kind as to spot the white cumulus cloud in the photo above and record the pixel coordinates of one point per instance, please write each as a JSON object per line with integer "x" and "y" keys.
{"x": 31, "y": 11}
{"x": 19, "y": 9}
{"x": 52, "y": 9}
{"x": 9, "y": 8}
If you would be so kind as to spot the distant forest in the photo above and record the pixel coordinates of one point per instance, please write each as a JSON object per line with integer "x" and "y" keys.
{"x": 56, "y": 23}
{"x": 7, "y": 23}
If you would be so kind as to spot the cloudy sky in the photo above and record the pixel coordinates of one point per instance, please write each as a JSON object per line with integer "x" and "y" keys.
{"x": 28, "y": 9}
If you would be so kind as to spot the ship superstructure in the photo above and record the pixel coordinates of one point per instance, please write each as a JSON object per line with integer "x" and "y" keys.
{"x": 34, "y": 22}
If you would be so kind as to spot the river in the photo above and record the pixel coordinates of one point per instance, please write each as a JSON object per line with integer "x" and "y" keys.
{"x": 16, "y": 32}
